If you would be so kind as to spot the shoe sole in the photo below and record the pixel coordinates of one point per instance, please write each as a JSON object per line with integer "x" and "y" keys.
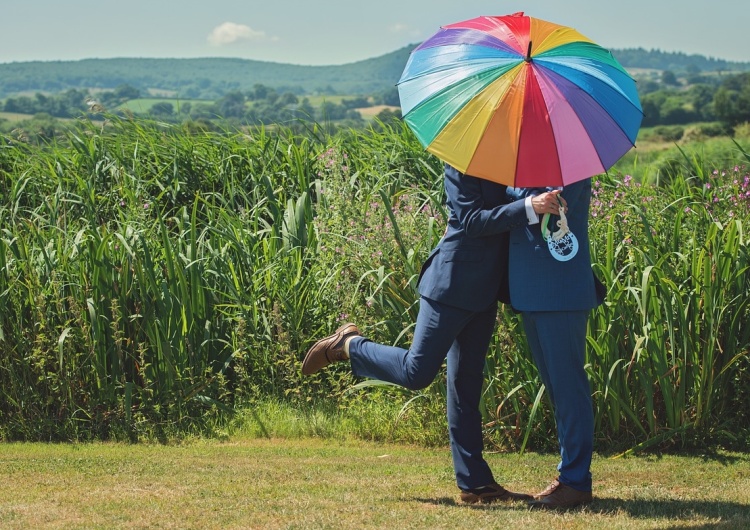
{"x": 541, "y": 506}
{"x": 471, "y": 498}
{"x": 553, "y": 506}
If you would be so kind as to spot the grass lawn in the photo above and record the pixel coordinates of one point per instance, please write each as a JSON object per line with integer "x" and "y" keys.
{"x": 14, "y": 116}
{"x": 315, "y": 483}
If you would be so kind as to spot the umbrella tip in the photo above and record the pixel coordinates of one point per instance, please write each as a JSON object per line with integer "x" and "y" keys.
{"x": 528, "y": 54}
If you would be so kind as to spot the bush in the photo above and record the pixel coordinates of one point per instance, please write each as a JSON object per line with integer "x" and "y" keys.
{"x": 156, "y": 278}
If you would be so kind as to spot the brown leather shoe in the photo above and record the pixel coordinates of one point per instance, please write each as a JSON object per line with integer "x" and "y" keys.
{"x": 328, "y": 350}
{"x": 557, "y": 495}
{"x": 492, "y": 493}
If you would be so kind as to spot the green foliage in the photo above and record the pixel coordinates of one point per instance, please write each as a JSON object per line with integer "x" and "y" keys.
{"x": 670, "y": 346}
{"x": 204, "y": 78}
{"x": 154, "y": 278}
{"x": 130, "y": 295}
{"x": 676, "y": 61}
{"x": 211, "y": 79}
{"x": 696, "y": 152}
{"x": 70, "y": 104}
{"x": 732, "y": 100}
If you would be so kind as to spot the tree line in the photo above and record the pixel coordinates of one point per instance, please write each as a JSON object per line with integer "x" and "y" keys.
{"x": 260, "y": 105}
{"x": 696, "y": 98}
{"x": 668, "y": 100}
{"x": 674, "y": 61}
{"x": 210, "y": 78}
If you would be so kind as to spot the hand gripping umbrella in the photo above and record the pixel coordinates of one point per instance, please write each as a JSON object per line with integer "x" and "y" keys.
{"x": 519, "y": 101}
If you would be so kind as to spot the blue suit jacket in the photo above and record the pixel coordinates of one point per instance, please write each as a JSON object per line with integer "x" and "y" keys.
{"x": 538, "y": 282}
{"x": 469, "y": 267}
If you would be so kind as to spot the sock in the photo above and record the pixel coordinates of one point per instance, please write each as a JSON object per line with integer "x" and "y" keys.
{"x": 346, "y": 346}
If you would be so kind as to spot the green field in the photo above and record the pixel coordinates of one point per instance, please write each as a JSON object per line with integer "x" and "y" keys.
{"x": 14, "y": 117}
{"x": 153, "y": 279}
{"x": 143, "y": 105}
{"x": 317, "y": 101}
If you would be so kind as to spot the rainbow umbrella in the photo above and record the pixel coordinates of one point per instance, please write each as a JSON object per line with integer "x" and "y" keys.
{"x": 519, "y": 101}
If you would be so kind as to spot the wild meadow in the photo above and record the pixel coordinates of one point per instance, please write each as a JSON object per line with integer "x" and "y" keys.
{"x": 157, "y": 282}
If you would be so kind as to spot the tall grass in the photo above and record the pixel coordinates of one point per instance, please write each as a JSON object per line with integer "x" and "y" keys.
{"x": 153, "y": 279}
{"x": 670, "y": 347}
{"x": 136, "y": 263}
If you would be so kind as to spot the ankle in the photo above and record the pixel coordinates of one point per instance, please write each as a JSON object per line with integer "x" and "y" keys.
{"x": 346, "y": 345}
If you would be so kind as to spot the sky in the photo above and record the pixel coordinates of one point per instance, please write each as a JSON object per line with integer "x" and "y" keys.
{"x": 333, "y": 32}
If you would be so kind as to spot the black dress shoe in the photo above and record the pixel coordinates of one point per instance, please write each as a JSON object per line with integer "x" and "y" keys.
{"x": 491, "y": 493}
{"x": 559, "y": 496}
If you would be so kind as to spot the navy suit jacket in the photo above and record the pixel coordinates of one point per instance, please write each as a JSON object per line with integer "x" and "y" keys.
{"x": 469, "y": 266}
{"x": 538, "y": 282}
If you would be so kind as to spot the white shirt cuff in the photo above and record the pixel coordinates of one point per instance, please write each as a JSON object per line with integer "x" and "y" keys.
{"x": 531, "y": 215}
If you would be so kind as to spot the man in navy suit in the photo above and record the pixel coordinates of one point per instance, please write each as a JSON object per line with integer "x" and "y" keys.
{"x": 460, "y": 285}
{"x": 555, "y": 297}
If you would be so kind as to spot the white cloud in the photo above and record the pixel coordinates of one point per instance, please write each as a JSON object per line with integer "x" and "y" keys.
{"x": 229, "y": 32}
{"x": 404, "y": 29}
{"x": 399, "y": 28}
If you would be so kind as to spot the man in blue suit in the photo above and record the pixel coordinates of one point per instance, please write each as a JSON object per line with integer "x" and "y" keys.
{"x": 555, "y": 297}
{"x": 460, "y": 285}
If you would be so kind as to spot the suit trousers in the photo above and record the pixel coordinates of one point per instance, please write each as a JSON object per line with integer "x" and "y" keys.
{"x": 558, "y": 344}
{"x": 461, "y": 337}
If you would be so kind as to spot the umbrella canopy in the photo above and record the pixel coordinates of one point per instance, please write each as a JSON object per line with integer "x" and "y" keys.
{"x": 520, "y": 101}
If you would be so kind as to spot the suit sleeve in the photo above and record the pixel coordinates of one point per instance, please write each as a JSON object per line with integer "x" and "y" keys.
{"x": 466, "y": 199}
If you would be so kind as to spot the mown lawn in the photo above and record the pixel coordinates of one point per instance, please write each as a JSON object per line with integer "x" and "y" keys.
{"x": 316, "y": 483}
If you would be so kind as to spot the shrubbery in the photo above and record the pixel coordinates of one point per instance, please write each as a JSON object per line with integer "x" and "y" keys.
{"x": 154, "y": 280}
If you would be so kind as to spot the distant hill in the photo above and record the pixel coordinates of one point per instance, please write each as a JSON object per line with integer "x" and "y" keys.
{"x": 203, "y": 78}
{"x": 209, "y": 78}
{"x": 675, "y": 61}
